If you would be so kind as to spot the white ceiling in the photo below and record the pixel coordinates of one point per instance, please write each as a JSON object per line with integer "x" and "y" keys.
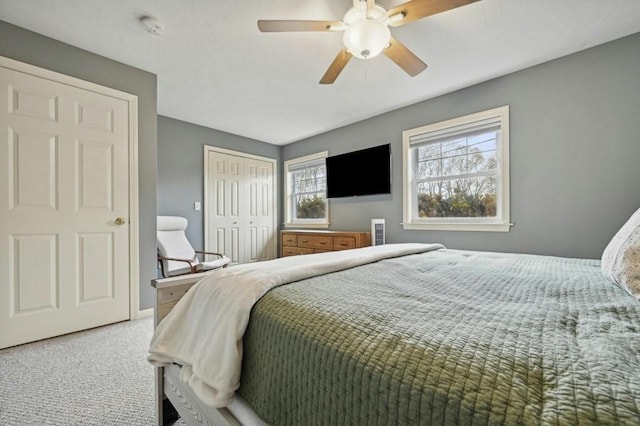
{"x": 217, "y": 70}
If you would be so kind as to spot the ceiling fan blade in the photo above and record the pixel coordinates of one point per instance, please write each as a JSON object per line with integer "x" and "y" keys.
{"x": 336, "y": 67}
{"x": 418, "y": 9}
{"x": 404, "y": 58}
{"x": 284, "y": 26}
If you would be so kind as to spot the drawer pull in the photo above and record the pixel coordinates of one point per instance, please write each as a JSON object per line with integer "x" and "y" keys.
{"x": 305, "y": 241}
{"x": 323, "y": 243}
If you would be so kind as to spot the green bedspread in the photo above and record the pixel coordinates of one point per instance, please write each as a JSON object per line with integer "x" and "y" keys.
{"x": 447, "y": 337}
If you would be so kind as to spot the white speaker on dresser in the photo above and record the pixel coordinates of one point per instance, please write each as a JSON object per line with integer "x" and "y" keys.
{"x": 377, "y": 232}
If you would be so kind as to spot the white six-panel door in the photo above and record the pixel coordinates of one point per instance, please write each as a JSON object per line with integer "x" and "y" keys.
{"x": 240, "y": 218}
{"x": 260, "y": 212}
{"x": 64, "y": 208}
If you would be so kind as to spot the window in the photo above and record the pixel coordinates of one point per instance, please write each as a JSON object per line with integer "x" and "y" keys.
{"x": 306, "y": 189}
{"x": 456, "y": 173}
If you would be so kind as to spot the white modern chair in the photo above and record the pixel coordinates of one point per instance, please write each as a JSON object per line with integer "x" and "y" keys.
{"x": 176, "y": 255}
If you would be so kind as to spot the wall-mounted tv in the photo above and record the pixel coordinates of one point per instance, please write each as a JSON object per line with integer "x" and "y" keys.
{"x": 357, "y": 173}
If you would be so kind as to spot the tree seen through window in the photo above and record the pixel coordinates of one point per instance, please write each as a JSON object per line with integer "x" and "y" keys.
{"x": 309, "y": 188}
{"x": 457, "y": 178}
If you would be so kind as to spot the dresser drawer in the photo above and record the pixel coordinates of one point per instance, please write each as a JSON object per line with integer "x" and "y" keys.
{"x": 294, "y": 251}
{"x": 168, "y": 297}
{"x": 344, "y": 243}
{"x": 315, "y": 241}
{"x": 289, "y": 240}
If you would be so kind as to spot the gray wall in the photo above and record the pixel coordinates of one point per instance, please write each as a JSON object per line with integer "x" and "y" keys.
{"x": 181, "y": 168}
{"x": 26, "y": 46}
{"x": 575, "y": 148}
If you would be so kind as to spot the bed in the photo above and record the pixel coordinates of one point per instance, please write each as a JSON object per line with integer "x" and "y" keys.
{"x": 406, "y": 334}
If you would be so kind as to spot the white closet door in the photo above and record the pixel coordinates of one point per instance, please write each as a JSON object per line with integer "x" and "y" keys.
{"x": 240, "y": 218}
{"x": 223, "y": 207}
{"x": 64, "y": 180}
{"x": 260, "y": 215}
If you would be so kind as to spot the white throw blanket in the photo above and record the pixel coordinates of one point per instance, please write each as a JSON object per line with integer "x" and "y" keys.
{"x": 204, "y": 331}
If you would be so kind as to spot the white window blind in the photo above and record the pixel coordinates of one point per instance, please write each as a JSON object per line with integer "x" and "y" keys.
{"x": 444, "y": 132}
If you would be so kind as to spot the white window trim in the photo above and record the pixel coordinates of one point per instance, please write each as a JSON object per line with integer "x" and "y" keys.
{"x": 502, "y": 221}
{"x": 288, "y": 220}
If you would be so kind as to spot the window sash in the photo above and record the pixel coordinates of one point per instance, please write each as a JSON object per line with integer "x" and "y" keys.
{"x": 468, "y": 127}
{"x": 313, "y": 188}
{"x": 439, "y": 161}
{"x": 311, "y": 185}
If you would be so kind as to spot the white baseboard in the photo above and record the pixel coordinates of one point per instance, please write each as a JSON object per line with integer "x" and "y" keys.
{"x": 145, "y": 313}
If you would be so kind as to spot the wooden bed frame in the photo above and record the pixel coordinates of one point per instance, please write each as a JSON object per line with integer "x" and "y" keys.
{"x": 171, "y": 395}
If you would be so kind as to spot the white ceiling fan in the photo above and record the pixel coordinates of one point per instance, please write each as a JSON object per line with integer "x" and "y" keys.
{"x": 366, "y": 32}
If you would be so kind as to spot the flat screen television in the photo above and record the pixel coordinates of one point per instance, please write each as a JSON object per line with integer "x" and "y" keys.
{"x": 357, "y": 173}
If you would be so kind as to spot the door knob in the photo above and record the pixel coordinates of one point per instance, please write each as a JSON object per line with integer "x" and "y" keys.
{"x": 120, "y": 221}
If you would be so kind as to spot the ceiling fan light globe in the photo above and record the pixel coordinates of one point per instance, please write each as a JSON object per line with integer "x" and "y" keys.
{"x": 366, "y": 39}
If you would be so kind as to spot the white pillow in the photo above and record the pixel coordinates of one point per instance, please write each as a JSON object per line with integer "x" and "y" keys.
{"x": 621, "y": 258}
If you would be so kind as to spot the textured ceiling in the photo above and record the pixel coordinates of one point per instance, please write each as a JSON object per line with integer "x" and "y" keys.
{"x": 217, "y": 70}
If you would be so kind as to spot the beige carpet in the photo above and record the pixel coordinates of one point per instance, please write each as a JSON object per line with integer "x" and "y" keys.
{"x": 94, "y": 377}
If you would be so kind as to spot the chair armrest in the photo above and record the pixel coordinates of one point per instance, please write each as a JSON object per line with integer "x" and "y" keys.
{"x": 209, "y": 252}
{"x": 190, "y": 262}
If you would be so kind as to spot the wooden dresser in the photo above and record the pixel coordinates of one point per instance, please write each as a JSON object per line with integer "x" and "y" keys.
{"x": 305, "y": 242}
